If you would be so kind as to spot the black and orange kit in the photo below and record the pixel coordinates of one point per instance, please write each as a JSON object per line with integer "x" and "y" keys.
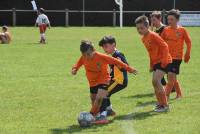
{"x": 119, "y": 77}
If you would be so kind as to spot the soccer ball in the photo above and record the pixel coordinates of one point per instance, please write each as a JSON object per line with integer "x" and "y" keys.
{"x": 85, "y": 119}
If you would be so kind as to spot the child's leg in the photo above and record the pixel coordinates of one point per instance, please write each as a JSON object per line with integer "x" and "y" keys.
{"x": 178, "y": 89}
{"x": 42, "y": 33}
{"x": 102, "y": 93}
{"x": 160, "y": 92}
{"x": 92, "y": 97}
{"x": 171, "y": 80}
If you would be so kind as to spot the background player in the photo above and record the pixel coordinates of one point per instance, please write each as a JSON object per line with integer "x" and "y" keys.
{"x": 175, "y": 36}
{"x": 43, "y": 22}
{"x": 160, "y": 60}
{"x": 156, "y": 21}
{"x": 5, "y": 36}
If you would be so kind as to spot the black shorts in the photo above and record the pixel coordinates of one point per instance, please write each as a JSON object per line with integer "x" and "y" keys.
{"x": 94, "y": 90}
{"x": 175, "y": 66}
{"x": 114, "y": 87}
{"x": 158, "y": 67}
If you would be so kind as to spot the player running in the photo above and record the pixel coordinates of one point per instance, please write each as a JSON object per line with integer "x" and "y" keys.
{"x": 96, "y": 67}
{"x": 175, "y": 36}
{"x": 119, "y": 76}
{"x": 5, "y": 36}
{"x": 42, "y": 22}
{"x": 160, "y": 60}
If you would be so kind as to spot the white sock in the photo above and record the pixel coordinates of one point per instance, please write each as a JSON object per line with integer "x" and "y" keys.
{"x": 104, "y": 113}
{"x": 109, "y": 107}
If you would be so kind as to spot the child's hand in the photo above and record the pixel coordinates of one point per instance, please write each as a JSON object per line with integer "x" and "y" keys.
{"x": 133, "y": 71}
{"x": 186, "y": 58}
{"x": 74, "y": 71}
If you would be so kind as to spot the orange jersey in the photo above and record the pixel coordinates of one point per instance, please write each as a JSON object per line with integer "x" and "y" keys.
{"x": 97, "y": 70}
{"x": 175, "y": 39}
{"x": 157, "y": 49}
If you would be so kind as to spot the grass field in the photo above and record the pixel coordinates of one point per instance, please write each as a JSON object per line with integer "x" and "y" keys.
{"x": 38, "y": 95}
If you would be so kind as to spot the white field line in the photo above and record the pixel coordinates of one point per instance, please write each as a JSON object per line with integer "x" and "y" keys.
{"x": 128, "y": 122}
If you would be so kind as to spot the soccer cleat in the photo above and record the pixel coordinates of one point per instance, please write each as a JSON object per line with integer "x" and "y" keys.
{"x": 162, "y": 109}
{"x": 101, "y": 120}
{"x": 157, "y": 106}
{"x": 110, "y": 112}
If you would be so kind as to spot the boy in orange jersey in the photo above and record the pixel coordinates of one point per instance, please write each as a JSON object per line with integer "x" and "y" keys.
{"x": 96, "y": 67}
{"x": 160, "y": 60}
{"x": 175, "y": 36}
{"x": 156, "y": 21}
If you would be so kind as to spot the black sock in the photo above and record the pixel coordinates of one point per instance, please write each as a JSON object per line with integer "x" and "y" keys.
{"x": 104, "y": 105}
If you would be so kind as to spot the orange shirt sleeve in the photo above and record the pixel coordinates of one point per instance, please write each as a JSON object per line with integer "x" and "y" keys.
{"x": 79, "y": 63}
{"x": 163, "y": 34}
{"x": 187, "y": 41}
{"x": 163, "y": 49}
{"x": 114, "y": 61}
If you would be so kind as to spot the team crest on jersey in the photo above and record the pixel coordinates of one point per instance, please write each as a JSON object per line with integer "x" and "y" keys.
{"x": 178, "y": 34}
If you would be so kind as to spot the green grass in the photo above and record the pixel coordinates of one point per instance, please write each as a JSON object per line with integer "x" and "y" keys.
{"x": 38, "y": 95}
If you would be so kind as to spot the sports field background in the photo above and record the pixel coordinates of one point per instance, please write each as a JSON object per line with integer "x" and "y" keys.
{"x": 38, "y": 95}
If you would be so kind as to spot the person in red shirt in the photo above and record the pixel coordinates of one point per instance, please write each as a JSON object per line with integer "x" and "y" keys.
{"x": 160, "y": 60}
{"x": 97, "y": 72}
{"x": 176, "y": 36}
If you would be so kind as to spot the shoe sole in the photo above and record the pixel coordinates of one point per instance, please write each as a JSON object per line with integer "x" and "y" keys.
{"x": 101, "y": 122}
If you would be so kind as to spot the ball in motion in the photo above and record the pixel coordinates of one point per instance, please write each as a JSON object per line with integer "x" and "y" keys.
{"x": 85, "y": 119}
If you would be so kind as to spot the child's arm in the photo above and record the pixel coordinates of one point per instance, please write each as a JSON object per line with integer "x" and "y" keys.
{"x": 76, "y": 67}
{"x": 48, "y": 23}
{"x": 164, "y": 50}
{"x": 114, "y": 61}
{"x": 189, "y": 46}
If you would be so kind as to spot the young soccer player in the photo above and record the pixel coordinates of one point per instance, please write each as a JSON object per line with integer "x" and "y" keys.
{"x": 96, "y": 67}
{"x": 43, "y": 22}
{"x": 5, "y": 37}
{"x": 175, "y": 36}
{"x": 156, "y": 21}
{"x": 119, "y": 77}
{"x": 160, "y": 60}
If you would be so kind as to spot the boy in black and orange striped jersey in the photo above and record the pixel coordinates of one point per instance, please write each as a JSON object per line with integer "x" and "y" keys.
{"x": 119, "y": 77}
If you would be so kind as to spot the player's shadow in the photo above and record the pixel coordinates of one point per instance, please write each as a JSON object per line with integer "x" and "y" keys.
{"x": 136, "y": 116}
{"x": 76, "y": 128}
{"x": 137, "y": 96}
{"x": 144, "y": 104}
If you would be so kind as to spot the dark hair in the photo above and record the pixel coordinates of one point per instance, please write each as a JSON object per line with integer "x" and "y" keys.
{"x": 107, "y": 39}
{"x": 156, "y": 14}
{"x": 142, "y": 19}
{"x": 41, "y": 10}
{"x": 86, "y": 45}
{"x": 174, "y": 12}
{"x": 5, "y": 28}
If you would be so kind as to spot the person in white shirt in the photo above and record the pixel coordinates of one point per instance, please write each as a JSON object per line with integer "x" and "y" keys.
{"x": 42, "y": 22}
{"x": 5, "y": 36}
